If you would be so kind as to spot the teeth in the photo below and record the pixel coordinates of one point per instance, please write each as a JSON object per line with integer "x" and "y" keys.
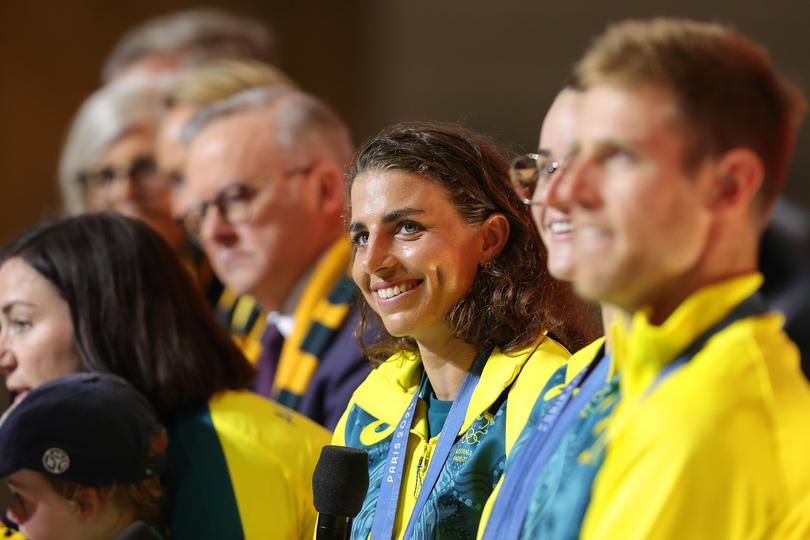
{"x": 560, "y": 227}
{"x": 391, "y": 292}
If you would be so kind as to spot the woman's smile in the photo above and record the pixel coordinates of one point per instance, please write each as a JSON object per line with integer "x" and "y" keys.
{"x": 390, "y": 292}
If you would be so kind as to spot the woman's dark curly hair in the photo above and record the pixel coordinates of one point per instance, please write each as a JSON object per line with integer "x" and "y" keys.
{"x": 513, "y": 298}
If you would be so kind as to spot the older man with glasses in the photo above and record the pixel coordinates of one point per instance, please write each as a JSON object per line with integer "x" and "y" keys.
{"x": 264, "y": 173}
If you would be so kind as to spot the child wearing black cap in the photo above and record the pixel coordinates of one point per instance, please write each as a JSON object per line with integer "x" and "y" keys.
{"x": 82, "y": 455}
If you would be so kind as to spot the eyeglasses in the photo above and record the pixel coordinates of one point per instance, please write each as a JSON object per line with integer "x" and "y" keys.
{"x": 142, "y": 172}
{"x": 529, "y": 171}
{"x": 236, "y": 203}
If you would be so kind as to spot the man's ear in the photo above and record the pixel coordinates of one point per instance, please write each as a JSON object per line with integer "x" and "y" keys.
{"x": 330, "y": 185}
{"x": 494, "y": 233}
{"x": 88, "y": 502}
{"x": 738, "y": 176}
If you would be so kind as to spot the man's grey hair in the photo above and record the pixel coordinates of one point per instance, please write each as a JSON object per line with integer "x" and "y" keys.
{"x": 196, "y": 35}
{"x": 104, "y": 117}
{"x": 302, "y": 123}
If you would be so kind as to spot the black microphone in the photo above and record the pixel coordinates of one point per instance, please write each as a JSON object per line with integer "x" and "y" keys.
{"x": 339, "y": 486}
{"x": 138, "y": 531}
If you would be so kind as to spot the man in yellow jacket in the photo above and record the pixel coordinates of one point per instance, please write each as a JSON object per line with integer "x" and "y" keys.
{"x": 683, "y": 141}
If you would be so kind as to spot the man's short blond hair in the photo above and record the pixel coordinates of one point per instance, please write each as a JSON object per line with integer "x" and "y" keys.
{"x": 726, "y": 87}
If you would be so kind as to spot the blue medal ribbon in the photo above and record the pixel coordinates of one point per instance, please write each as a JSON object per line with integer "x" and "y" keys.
{"x": 509, "y": 510}
{"x": 385, "y": 513}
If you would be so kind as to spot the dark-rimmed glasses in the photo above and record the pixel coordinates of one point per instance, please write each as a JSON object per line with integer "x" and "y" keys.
{"x": 236, "y": 203}
{"x": 142, "y": 172}
{"x": 530, "y": 171}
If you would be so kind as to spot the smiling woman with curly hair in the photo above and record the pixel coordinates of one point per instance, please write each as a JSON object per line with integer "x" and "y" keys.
{"x": 455, "y": 286}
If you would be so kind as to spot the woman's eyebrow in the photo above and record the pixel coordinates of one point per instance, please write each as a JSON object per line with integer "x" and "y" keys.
{"x": 9, "y": 305}
{"x": 389, "y": 217}
{"x": 399, "y": 213}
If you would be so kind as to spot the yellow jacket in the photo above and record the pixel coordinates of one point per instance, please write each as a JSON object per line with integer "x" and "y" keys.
{"x": 719, "y": 449}
{"x": 478, "y": 457}
{"x": 241, "y": 467}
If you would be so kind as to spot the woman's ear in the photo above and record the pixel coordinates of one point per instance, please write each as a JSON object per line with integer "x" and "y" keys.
{"x": 88, "y": 502}
{"x": 495, "y": 234}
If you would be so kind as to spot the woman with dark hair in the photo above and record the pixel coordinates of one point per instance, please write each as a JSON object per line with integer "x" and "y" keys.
{"x": 105, "y": 293}
{"x": 450, "y": 263}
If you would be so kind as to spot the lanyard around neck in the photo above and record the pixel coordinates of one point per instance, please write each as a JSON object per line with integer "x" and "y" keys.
{"x": 382, "y": 527}
{"x": 510, "y": 508}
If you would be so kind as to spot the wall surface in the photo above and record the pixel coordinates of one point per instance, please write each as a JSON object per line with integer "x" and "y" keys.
{"x": 494, "y": 66}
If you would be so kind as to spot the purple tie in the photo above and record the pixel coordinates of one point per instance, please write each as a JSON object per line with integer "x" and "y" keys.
{"x": 272, "y": 341}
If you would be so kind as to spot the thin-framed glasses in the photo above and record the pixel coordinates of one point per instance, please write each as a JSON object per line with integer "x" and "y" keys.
{"x": 530, "y": 171}
{"x": 142, "y": 172}
{"x": 236, "y": 203}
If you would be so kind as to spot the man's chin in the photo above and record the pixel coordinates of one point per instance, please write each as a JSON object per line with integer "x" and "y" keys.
{"x": 591, "y": 286}
{"x": 238, "y": 282}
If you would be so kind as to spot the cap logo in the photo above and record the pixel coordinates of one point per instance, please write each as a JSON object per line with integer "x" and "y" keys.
{"x": 55, "y": 460}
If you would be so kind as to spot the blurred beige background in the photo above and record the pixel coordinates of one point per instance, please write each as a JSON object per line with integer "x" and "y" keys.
{"x": 494, "y": 66}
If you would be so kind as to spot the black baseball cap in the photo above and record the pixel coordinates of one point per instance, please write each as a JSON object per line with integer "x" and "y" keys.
{"x": 90, "y": 428}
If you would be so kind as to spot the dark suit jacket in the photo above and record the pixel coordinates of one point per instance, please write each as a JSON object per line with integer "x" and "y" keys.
{"x": 784, "y": 259}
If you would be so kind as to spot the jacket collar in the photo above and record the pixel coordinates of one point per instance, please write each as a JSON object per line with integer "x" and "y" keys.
{"x": 640, "y": 349}
{"x": 397, "y": 379}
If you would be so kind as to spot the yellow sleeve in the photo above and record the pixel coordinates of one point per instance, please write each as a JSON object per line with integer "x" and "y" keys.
{"x": 797, "y": 524}
{"x": 271, "y": 454}
{"x": 667, "y": 483}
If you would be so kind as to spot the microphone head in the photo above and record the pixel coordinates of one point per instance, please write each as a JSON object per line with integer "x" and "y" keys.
{"x": 340, "y": 481}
